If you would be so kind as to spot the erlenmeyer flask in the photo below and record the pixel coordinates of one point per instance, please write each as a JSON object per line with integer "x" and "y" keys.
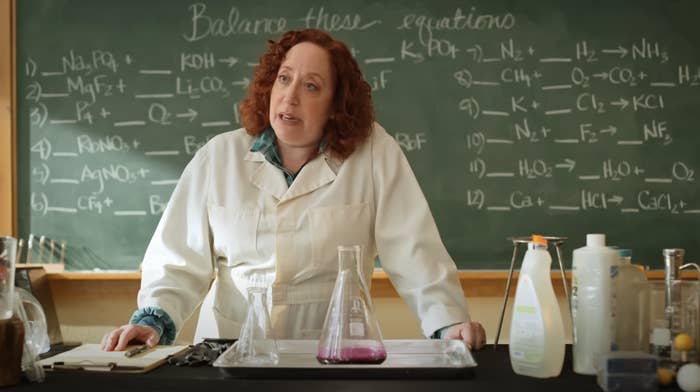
{"x": 350, "y": 331}
{"x": 256, "y": 344}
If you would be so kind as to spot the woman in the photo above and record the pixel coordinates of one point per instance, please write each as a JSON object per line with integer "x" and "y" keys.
{"x": 270, "y": 203}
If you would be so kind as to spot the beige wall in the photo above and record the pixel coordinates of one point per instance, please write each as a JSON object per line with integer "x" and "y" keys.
{"x": 89, "y": 309}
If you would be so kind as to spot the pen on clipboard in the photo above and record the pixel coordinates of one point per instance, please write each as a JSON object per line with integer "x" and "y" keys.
{"x": 84, "y": 365}
{"x": 136, "y": 350}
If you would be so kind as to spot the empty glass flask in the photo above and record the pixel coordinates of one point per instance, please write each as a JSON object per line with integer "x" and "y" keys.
{"x": 350, "y": 331}
{"x": 256, "y": 344}
{"x": 8, "y": 254}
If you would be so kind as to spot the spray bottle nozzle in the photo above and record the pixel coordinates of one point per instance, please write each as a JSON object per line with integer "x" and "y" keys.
{"x": 538, "y": 239}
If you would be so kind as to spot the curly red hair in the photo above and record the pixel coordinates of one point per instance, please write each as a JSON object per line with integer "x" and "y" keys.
{"x": 352, "y": 114}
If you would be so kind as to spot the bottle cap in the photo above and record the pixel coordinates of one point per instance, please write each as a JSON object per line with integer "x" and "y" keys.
{"x": 595, "y": 239}
{"x": 538, "y": 239}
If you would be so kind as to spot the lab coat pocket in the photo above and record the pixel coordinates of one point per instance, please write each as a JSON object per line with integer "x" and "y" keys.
{"x": 229, "y": 305}
{"x": 338, "y": 225}
{"x": 235, "y": 233}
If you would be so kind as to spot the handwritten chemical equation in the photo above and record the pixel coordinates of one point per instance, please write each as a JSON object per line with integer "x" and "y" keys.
{"x": 601, "y": 105}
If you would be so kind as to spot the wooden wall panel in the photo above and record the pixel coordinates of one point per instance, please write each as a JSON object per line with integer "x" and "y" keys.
{"x": 7, "y": 135}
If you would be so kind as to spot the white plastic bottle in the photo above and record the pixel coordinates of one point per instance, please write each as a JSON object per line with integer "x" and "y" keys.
{"x": 591, "y": 297}
{"x": 537, "y": 330}
{"x": 631, "y": 334}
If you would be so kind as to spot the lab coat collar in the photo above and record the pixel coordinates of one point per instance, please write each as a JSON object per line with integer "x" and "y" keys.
{"x": 266, "y": 176}
{"x": 315, "y": 174}
{"x": 312, "y": 176}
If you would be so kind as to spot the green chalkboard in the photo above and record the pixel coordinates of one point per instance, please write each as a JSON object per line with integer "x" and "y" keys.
{"x": 553, "y": 117}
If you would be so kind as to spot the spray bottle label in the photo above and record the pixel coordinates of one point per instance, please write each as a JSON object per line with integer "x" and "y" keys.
{"x": 527, "y": 328}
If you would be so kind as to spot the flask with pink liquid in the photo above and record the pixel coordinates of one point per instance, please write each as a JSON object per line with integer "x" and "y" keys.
{"x": 350, "y": 331}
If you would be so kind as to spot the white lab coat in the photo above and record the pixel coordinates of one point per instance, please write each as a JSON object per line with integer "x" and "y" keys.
{"x": 233, "y": 216}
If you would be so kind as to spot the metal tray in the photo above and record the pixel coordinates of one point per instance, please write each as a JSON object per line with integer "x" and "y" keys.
{"x": 405, "y": 358}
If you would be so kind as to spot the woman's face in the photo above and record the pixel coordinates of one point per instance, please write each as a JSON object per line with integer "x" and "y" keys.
{"x": 302, "y": 96}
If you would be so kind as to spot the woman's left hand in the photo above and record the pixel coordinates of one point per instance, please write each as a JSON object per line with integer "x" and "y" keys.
{"x": 471, "y": 333}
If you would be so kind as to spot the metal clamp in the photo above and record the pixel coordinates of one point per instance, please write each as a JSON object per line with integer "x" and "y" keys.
{"x": 694, "y": 265}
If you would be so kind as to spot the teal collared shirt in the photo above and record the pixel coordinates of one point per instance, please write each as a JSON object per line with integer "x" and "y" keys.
{"x": 265, "y": 144}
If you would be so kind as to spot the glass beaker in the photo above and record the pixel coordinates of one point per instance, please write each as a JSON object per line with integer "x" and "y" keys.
{"x": 666, "y": 320}
{"x": 350, "y": 331}
{"x": 8, "y": 252}
{"x": 256, "y": 344}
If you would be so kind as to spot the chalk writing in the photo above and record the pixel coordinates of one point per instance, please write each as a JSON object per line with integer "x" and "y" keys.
{"x": 505, "y": 112}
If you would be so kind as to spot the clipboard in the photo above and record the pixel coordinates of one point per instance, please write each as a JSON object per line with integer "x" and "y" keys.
{"x": 91, "y": 358}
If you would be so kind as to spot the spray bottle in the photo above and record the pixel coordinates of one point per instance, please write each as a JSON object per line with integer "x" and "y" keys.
{"x": 537, "y": 331}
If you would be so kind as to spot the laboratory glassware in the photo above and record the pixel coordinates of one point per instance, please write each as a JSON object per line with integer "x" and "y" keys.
{"x": 350, "y": 331}
{"x": 256, "y": 344}
{"x": 8, "y": 252}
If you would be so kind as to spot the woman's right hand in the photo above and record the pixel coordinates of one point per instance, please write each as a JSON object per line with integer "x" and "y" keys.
{"x": 118, "y": 339}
